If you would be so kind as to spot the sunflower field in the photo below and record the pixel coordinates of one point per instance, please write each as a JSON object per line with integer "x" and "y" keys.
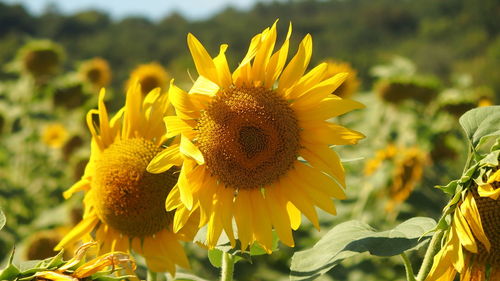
{"x": 296, "y": 140}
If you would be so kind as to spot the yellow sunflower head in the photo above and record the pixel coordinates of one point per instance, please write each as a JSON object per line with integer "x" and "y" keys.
{"x": 408, "y": 171}
{"x": 242, "y": 134}
{"x": 54, "y": 135}
{"x": 351, "y": 83}
{"x": 125, "y": 204}
{"x": 398, "y": 89}
{"x": 150, "y": 76}
{"x": 381, "y": 155}
{"x": 96, "y": 71}
{"x": 41, "y": 244}
{"x": 41, "y": 58}
{"x": 472, "y": 246}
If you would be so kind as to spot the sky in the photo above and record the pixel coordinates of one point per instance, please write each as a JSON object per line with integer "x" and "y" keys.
{"x": 154, "y": 9}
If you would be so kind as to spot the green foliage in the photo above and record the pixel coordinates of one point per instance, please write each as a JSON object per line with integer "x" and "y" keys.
{"x": 2, "y": 219}
{"x": 481, "y": 123}
{"x": 354, "y": 237}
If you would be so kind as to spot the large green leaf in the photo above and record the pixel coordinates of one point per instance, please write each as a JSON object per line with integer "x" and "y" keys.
{"x": 2, "y": 219}
{"x": 354, "y": 237}
{"x": 481, "y": 123}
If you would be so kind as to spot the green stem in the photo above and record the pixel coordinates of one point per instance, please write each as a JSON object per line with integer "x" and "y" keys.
{"x": 409, "y": 270}
{"x": 434, "y": 247}
{"x": 227, "y": 267}
{"x": 152, "y": 276}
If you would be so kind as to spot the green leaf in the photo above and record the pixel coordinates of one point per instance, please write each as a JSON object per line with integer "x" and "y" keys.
{"x": 215, "y": 257}
{"x": 481, "y": 123}
{"x": 2, "y": 219}
{"x": 354, "y": 237}
{"x": 187, "y": 277}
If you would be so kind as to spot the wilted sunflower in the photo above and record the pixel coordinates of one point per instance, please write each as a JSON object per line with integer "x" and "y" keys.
{"x": 242, "y": 134}
{"x": 41, "y": 57}
{"x": 472, "y": 246}
{"x": 124, "y": 204}
{"x": 150, "y": 76}
{"x": 351, "y": 83}
{"x": 54, "y": 135}
{"x": 76, "y": 269}
{"x": 96, "y": 71}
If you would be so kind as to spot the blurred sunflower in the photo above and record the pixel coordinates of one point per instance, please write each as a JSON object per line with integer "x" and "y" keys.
{"x": 381, "y": 155}
{"x": 408, "y": 171}
{"x": 351, "y": 83}
{"x": 150, "y": 76}
{"x": 242, "y": 136}
{"x": 398, "y": 89}
{"x": 124, "y": 204}
{"x": 40, "y": 245}
{"x": 96, "y": 71}
{"x": 472, "y": 245}
{"x": 54, "y": 135}
{"x": 41, "y": 58}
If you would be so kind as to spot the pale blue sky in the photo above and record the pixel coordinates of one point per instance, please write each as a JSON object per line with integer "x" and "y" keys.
{"x": 155, "y": 9}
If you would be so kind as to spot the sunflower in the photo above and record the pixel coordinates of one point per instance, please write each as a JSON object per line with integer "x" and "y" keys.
{"x": 241, "y": 136}
{"x": 150, "y": 76}
{"x": 77, "y": 269}
{"x": 381, "y": 155}
{"x": 41, "y": 58}
{"x": 351, "y": 83}
{"x": 124, "y": 204}
{"x": 408, "y": 172}
{"x": 96, "y": 71}
{"x": 472, "y": 246}
{"x": 54, "y": 135}
{"x": 398, "y": 89}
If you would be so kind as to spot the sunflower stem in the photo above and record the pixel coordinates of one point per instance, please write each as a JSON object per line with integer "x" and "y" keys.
{"x": 409, "y": 270}
{"x": 433, "y": 248}
{"x": 227, "y": 267}
{"x": 152, "y": 276}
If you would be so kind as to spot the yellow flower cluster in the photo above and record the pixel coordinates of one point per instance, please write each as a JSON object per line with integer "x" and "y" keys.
{"x": 236, "y": 143}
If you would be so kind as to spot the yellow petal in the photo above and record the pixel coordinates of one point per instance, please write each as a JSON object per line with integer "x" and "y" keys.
{"x": 165, "y": 160}
{"x": 294, "y": 215}
{"x": 319, "y": 92}
{"x": 307, "y": 190}
{"x": 189, "y": 149}
{"x": 156, "y": 259}
{"x": 182, "y": 103}
{"x": 327, "y": 133}
{"x": 80, "y": 185}
{"x": 184, "y": 184}
{"x": 243, "y": 217}
{"x": 204, "y": 86}
{"x": 328, "y": 108}
{"x": 487, "y": 190}
{"x": 82, "y": 228}
{"x": 325, "y": 159}
{"x": 264, "y": 53}
{"x": 471, "y": 214}
{"x": 464, "y": 233}
{"x": 54, "y": 276}
{"x": 316, "y": 178}
{"x": 299, "y": 199}
{"x": 295, "y": 69}
{"x": 222, "y": 66}
{"x": 180, "y": 218}
{"x": 204, "y": 63}
{"x": 261, "y": 222}
{"x": 494, "y": 177}
{"x": 307, "y": 81}
{"x": 168, "y": 241}
{"x": 277, "y": 61}
{"x": 276, "y": 207}
{"x": 176, "y": 126}
{"x": 173, "y": 199}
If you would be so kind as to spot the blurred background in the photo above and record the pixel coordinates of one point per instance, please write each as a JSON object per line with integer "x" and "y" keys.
{"x": 417, "y": 65}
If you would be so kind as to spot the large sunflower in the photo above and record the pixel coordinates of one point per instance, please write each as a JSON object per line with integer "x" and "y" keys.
{"x": 124, "y": 204}
{"x": 242, "y": 136}
{"x": 472, "y": 246}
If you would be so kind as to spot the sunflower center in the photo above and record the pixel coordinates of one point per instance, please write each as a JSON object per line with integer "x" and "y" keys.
{"x": 149, "y": 83}
{"x": 489, "y": 211}
{"x": 249, "y": 137}
{"x": 94, "y": 75}
{"x": 127, "y": 197}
